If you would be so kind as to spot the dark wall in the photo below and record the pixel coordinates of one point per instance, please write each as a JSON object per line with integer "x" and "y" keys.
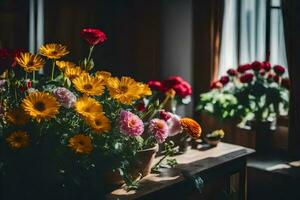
{"x": 132, "y": 27}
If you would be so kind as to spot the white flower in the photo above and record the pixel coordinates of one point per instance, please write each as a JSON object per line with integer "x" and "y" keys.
{"x": 65, "y": 97}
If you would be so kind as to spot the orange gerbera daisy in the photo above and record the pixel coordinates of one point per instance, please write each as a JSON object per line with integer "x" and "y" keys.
{"x": 191, "y": 127}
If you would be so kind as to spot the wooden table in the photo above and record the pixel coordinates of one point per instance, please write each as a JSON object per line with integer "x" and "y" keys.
{"x": 207, "y": 163}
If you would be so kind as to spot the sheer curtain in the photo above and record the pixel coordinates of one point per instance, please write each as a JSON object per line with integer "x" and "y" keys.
{"x": 244, "y": 39}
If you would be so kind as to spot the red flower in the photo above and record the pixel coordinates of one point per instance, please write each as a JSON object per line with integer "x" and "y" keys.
{"x": 256, "y": 66}
{"x": 243, "y": 68}
{"x": 224, "y": 80}
{"x": 232, "y": 72}
{"x": 279, "y": 70}
{"x": 172, "y": 81}
{"x": 5, "y": 59}
{"x": 29, "y": 84}
{"x": 156, "y": 85}
{"x": 246, "y": 78}
{"x": 270, "y": 77}
{"x": 93, "y": 36}
{"x": 141, "y": 107}
{"x": 276, "y": 78}
{"x": 216, "y": 85}
{"x": 285, "y": 82}
{"x": 16, "y": 53}
{"x": 262, "y": 72}
{"x": 266, "y": 66}
{"x": 183, "y": 89}
{"x": 164, "y": 115}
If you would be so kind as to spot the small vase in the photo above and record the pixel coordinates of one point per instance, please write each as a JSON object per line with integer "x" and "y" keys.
{"x": 145, "y": 160}
{"x": 212, "y": 142}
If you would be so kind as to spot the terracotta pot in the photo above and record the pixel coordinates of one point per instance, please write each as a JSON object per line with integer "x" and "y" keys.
{"x": 212, "y": 142}
{"x": 145, "y": 160}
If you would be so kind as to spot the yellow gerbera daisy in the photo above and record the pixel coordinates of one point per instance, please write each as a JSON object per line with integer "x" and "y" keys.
{"x": 18, "y": 139}
{"x": 54, "y": 51}
{"x": 124, "y": 90}
{"x": 62, "y": 65}
{"x": 99, "y": 123}
{"x": 73, "y": 72}
{"x": 30, "y": 62}
{"x": 81, "y": 144}
{"x": 40, "y": 105}
{"x": 144, "y": 90}
{"x": 87, "y": 106}
{"x": 103, "y": 75}
{"x": 89, "y": 85}
{"x": 17, "y": 116}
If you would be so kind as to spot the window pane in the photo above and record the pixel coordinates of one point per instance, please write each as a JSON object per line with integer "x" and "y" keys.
{"x": 277, "y": 41}
{"x": 276, "y": 3}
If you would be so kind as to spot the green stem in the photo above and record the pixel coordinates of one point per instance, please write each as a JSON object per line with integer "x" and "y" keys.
{"x": 26, "y": 75}
{"x": 33, "y": 76}
{"x": 53, "y": 69}
{"x": 89, "y": 56}
{"x": 160, "y": 161}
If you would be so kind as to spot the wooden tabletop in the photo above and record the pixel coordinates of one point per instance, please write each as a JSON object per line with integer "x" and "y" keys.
{"x": 194, "y": 161}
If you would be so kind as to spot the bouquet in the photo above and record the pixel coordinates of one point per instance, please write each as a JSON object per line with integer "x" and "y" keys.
{"x": 181, "y": 89}
{"x": 255, "y": 91}
{"x": 64, "y": 131}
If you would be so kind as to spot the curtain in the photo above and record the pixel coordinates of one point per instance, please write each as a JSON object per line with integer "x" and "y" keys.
{"x": 216, "y": 31}
{"x": 244, "y": 34}
{"x": 291, "y": 20}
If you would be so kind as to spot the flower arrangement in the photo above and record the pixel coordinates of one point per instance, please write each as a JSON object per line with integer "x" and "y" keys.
{"x": 252, "y": 91}
{"x": 182, "y": 91}
{"x": 71, "y": 127}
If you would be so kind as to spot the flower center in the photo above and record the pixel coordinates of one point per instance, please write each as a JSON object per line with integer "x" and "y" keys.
{"x": 87, "y": 86}
{"x": 123, "y": 88}
{"x": 132, "y": 123}
{"x": 159, "y": 125}
{"x": 18, "y": 139}
{"x": 40, "y": 106}
{"x": 30, "y": 63}
{"x": 54, "y": 52}
{"x": 98, "y": 122}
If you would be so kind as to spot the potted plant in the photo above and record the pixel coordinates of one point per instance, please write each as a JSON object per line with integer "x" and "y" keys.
{"x": 214, "y": 137}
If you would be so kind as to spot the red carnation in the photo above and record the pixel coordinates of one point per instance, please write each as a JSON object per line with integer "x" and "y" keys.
{"x": 141, "y": 107}
{"x": 246, "y": 78}
{"x": 183, "y": 90}
{"x": 216, "y": 85}
{"x": 285, "y": 82}
{"x": 266, "y": 66}
{"x": 5, "y": 59}
{"x": 164, "y": 115}
{"x": 172, "y": 81}
{"x": 224, "y": 80}
{"x": 232, "y": 72}
{"x": 279, "y": 70}
{"x": 93, "y": 36}
{"x": 256, "y": 66}
{"x": 262, "y": 72}
{"x": 243, "y": 68}
{"x": 155, "y": 85}
{"x": 276, "y": 78}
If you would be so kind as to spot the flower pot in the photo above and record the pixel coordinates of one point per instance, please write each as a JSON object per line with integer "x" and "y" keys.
{"x": 212, "y": 142}
{"x": 145, "y": 160}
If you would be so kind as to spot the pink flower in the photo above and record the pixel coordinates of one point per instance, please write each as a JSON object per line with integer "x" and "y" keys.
{"x": 131, "y": 124}
{"x": 159, "y": 129}
{"x": 232, "y": 72}
{"x": 174, "y": 124}
{"x": 65, "y": 97}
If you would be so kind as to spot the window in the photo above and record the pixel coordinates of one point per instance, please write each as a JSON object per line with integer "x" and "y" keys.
{"x": 252, "y": 30}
